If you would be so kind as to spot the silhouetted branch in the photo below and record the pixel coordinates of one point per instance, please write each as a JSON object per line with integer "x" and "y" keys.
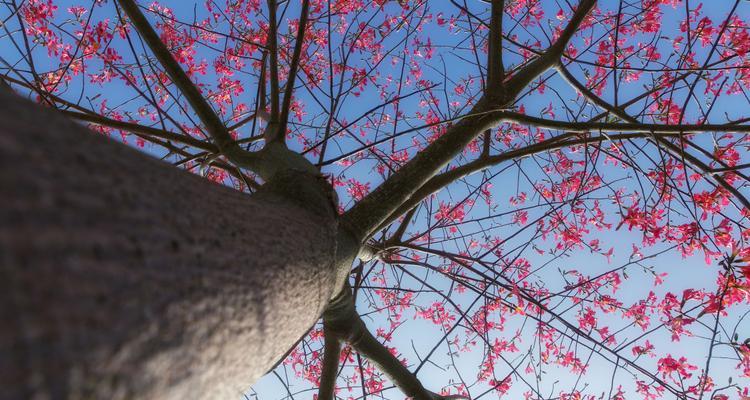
{"x": 213, "y": 124}
{"x": 362, "y": 219}
{"x": 341, "y": 319}
{"x": 289, "y": 88}
{"x": 146, "y": 130}
{"x": 675, "y": 151}
{"x": 273, "y": 59}
{"x": 330, "y": 368}
{"x": 551, "y": 56}
{"x": 495, "y": 67}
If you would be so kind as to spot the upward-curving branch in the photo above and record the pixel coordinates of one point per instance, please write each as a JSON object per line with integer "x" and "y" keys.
{"x": 267, "y": 162}
{"x": 370, "y": 212}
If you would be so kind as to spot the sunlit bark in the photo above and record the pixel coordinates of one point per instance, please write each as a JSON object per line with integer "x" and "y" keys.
{"x": 124, "y": 277}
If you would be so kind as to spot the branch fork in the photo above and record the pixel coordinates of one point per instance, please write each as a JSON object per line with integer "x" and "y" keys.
{"x": 342, "y": 324}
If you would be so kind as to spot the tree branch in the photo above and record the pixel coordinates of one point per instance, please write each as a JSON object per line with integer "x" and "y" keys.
{"x": 495, "y": 67}
{"x": 442, "y": 180}
{"x": 675, "y": 151}
{"x": 588, "y": 94}
{"x": 658, "y": 132}
{"x": 262, "y": 85}
{"x": 399, "y": 234}
{"x": 634, "y": 127}
{"x": 267, "y": 162}
{"x": 551, "y": 56}
{"x": 273, "y": 53}
{"x": 362, "y": 219}
{"x": 330, "y": 369}
{"x": 289, "y": 88}
{"x": 208, "y": 117}
{"x": 214, "y": 126}
{"x": 146, "y": 130}
{"x": 342, "y": 319}
{"x": 571, "y": 138}
{"x": 648, "y": 131}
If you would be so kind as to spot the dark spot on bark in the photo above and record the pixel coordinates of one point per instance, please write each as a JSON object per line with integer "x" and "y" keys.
{"x": 175, "y": 245}
{"x": 97, "y": 251}
{"x": 137, "y": 248}
{"x": 61, "y": 201}
{"x": 81, "y": 159}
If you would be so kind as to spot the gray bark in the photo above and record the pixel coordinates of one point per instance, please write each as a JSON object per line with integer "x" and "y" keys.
{"x": 123, "y": 277}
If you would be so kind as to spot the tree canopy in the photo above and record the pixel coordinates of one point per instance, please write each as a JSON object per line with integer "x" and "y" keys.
{"x": 551, "y": 196}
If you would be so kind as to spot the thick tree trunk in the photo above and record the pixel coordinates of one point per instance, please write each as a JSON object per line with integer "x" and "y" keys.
{"x": 123, "y": 277}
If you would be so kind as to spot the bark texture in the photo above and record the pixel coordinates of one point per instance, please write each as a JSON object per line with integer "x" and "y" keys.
{"x": 123, "y": 277}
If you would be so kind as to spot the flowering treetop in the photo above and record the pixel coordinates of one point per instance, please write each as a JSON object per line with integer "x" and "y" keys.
{"x": 552, "y": 193}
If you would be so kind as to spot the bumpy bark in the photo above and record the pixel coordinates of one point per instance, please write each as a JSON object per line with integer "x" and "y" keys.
{"x": 123, "y": 277}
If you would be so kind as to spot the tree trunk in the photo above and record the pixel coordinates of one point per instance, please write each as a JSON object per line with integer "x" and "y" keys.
{"x": 124, "y": 277}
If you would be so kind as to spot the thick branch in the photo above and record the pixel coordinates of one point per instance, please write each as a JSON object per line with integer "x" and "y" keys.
{"x": 566, "y": 140}
{"x": 551, "y": 56}
{"x": 289, "y": 89}
{"x": 208, "y": 117}
{"x": 366, "y": 344}
{"x": 273, "y": 59}
{"x": 591, "y": 96}
{"x": 442, "y": 180}
{"x": 368, "y": 214}
{"x": 266, "y": 163}
{"x": 330, "y": 370}
{"x": 629, "y": 131}
{"x": 342, "y": 320}
{"x": 362, "y": 219}
{"x": 495, "y": 68}
{"x": 637, "y": 129}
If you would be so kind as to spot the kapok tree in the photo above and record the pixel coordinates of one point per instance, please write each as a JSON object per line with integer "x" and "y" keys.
{"x": 509, "y": 185}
